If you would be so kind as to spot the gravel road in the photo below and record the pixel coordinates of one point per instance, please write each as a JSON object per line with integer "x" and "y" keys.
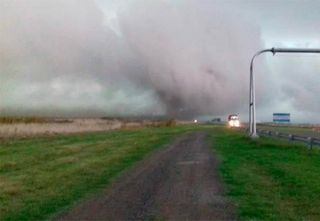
{"x": 178, "y": 183}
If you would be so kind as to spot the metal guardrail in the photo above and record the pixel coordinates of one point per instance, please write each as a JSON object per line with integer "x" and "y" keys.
{"x": 310, "y": 141}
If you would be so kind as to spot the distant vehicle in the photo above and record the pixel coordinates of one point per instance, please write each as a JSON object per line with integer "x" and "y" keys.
{"x": 233, "y": 120}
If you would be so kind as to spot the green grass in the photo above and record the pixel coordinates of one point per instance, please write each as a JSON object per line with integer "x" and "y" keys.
{"x": 269, "y": 179}
{"x": 42, "y": 176}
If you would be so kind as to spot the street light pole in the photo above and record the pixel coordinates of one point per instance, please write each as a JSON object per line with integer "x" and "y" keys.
{"x": 252, "y": 97}
{"x": 252, "y": 94}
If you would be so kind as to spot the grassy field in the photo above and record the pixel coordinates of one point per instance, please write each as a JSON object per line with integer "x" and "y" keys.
{"x": 296, "y": 130}
{"x": 269, "y": 179}
{"x": 42, "y": 176}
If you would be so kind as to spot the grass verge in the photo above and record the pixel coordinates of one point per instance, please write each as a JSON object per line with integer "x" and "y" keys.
{"x": 269, "y": 179}
{"x": 296, "y": 130}
{"x": 42, "y": 176}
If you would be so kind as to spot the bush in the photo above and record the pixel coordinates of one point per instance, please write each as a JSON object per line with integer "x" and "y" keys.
{"x": 171, "y": 123}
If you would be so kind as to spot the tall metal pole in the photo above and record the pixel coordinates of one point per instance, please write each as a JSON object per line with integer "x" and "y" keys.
{"x": 252, "y": 97}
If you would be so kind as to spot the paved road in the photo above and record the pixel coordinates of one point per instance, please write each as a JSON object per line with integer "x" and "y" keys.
{"x": 178, "y": 183}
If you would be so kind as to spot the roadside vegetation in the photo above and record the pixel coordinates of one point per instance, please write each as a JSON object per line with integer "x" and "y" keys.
{"x": 24, "y": 120}
{"x": 269, "y": 179}
{"x": 42, "y": 176}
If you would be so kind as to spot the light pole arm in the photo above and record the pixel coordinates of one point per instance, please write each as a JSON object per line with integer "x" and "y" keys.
{"x": 294, "y": 50}
{"x": 252, "y": 99}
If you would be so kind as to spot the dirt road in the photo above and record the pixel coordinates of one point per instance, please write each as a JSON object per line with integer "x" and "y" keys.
{"x": 178, "y": 183}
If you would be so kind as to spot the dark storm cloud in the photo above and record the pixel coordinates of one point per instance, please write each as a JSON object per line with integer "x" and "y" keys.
{"x": 160, "y": 58}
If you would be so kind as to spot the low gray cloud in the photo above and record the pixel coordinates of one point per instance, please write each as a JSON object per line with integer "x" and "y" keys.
{"x": 58, "y": 58}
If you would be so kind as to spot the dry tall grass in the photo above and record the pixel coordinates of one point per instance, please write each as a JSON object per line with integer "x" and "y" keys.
{"x": 26, "y": 127}
{"x": 47, "y": 128}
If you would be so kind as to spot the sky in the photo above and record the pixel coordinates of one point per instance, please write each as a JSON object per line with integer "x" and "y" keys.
{"x": 174, "y": 58}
